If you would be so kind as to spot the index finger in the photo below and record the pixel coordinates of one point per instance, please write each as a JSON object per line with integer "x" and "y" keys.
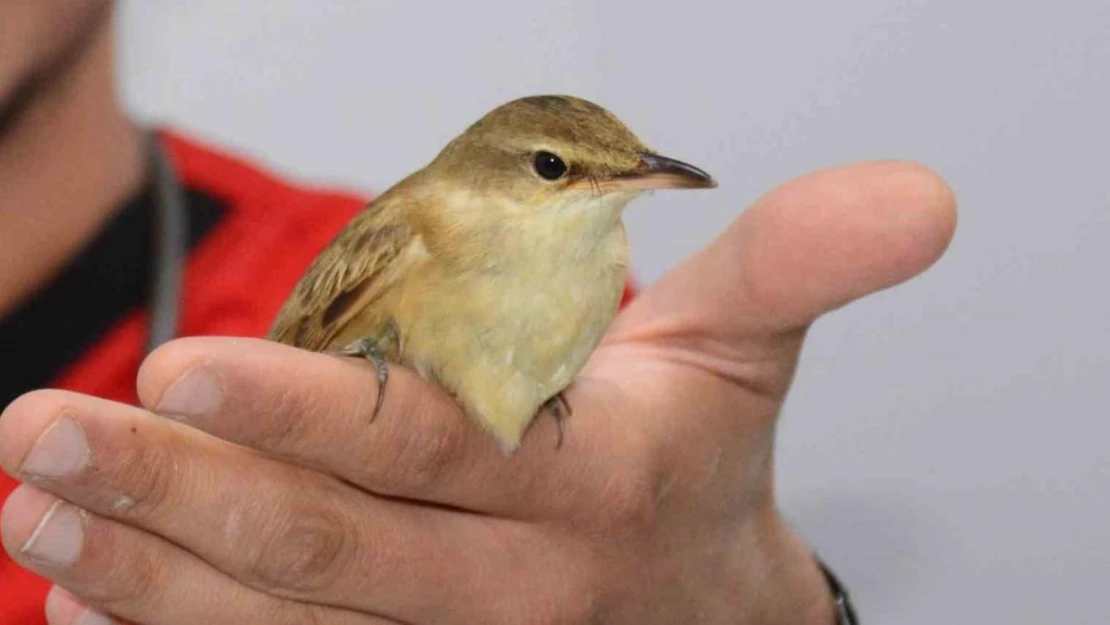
{"x": 315, "y": 410}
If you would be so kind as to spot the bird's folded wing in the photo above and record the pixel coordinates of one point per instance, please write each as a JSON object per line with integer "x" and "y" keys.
{"x": 364, "y": 261}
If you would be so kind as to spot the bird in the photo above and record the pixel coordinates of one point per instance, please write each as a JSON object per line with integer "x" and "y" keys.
{"x": 495, "y": 269}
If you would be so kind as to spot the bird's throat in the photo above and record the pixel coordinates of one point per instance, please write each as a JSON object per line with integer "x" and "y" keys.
{"x": 495, "y": 233}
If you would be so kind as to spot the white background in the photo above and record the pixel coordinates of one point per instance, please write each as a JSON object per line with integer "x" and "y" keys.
{"x": 946, "y": 443}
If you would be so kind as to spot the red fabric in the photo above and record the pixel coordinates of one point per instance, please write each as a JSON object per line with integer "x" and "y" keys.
{"x": 235, "y": 281}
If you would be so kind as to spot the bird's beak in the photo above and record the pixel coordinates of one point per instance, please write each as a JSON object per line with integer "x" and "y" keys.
{"x": 660, "y": 172}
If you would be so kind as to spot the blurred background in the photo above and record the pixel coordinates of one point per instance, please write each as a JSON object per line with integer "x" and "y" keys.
{"x": 947, "y": 443}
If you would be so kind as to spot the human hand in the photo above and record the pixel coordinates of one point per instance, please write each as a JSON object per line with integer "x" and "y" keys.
{"x": 277, "y": 501}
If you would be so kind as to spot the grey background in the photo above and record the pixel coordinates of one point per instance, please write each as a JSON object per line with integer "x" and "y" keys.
{"x": 945, "y": 445}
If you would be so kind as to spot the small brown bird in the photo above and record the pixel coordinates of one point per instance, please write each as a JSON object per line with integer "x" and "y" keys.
{"x": 495, "y": 270}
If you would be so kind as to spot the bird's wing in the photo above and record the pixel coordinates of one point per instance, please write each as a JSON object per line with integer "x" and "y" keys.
{"x": 367, "y": 258}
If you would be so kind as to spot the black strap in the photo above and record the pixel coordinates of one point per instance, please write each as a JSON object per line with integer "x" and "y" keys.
{"x": 845, "y": 611}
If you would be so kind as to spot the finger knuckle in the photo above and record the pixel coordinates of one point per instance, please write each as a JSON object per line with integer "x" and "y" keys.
{"x": 291, "y": 613}
{"x": 129, "y": 586}
{"x": 289, "y": 415}
{"x": 115, "y": 572}
{"x": 417, "y": 459}
{"x": 145, "y": 477}
{"x": 302, "y": 551}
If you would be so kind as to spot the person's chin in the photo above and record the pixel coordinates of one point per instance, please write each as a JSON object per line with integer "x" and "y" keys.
{"x": 51, "y": 42}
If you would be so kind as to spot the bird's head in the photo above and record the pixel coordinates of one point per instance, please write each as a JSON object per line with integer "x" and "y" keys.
{"x": 544, "y": 154}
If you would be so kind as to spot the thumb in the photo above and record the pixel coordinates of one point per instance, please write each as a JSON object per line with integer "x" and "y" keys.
{"x": 804, "y": 249}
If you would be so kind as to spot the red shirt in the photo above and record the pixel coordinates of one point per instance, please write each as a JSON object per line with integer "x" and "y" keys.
{"x": 237, "y": 276}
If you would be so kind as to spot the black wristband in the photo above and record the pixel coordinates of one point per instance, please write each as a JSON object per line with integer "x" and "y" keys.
{"x": 845, "y": 612}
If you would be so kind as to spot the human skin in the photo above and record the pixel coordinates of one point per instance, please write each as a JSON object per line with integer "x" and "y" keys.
{"x": 68, "y": 153}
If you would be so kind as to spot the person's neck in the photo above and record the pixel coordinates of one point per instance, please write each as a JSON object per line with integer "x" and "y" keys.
{"x": 66, "y": 165}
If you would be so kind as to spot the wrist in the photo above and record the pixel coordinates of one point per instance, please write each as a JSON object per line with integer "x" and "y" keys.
{"x": 786, "y": 582}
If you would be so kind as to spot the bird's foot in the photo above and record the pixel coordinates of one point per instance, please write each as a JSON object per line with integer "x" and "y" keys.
{"x": 560, "y": 409}
{"x": 366, "y": 348}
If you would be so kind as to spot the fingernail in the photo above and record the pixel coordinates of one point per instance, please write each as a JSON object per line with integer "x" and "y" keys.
{"x": 194, "y": 394}
{"x": 59, "y": 537}
{"x": 61, "y": 605}
{"x": 61, "y": 450}
{"x": 92, "y": 617}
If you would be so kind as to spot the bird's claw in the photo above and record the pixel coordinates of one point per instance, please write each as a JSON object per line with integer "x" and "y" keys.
{"x": 560, "y": 409}
{"x": 365, "y": 348}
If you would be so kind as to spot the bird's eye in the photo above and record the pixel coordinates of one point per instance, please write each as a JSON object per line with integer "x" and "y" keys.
{"x": 549, "y": 166}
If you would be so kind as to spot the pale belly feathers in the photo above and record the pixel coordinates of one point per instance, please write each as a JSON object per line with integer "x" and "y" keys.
{"x": 524, "y": 334}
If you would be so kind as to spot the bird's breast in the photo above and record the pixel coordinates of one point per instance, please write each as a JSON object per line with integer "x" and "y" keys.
{"x": 540, "y": 317}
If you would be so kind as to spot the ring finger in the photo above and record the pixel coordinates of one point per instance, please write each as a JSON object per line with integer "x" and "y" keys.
{"x": 123, "y": 571}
